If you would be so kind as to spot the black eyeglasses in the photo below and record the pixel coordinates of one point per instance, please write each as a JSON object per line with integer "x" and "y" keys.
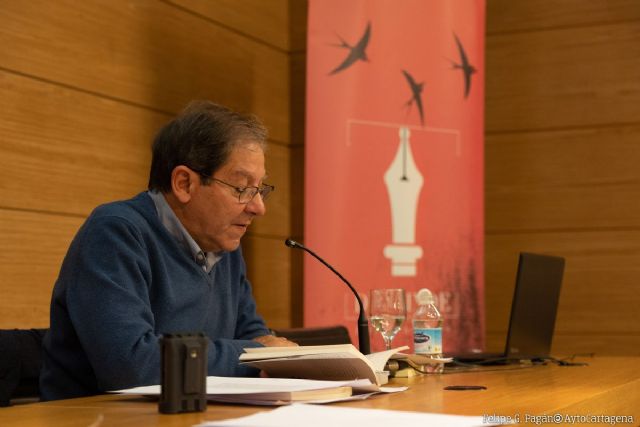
{"x": 246, "y": 194}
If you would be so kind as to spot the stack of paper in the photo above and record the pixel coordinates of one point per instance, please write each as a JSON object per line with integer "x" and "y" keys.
{"x": 279, "y": 391}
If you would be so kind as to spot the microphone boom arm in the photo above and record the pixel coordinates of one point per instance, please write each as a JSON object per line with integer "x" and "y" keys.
{"x": 363, "y": 323}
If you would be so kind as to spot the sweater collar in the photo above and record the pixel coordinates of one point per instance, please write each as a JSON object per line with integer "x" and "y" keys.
{"x": 168, "y": 218}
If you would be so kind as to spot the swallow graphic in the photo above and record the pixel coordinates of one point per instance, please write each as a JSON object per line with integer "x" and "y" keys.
{"x": 416, "y": 94}
{"x": 357, "y": 52}
{"x": 467, "y": 69}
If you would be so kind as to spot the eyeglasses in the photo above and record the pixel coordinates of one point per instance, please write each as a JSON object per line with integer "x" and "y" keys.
{"x": 246, "y": 194}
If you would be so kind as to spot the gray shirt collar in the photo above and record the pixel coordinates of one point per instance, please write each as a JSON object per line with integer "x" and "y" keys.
{"x": 173, "y": 225}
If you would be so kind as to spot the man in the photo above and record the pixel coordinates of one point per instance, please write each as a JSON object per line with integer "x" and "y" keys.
{"x": 166, "y": 261}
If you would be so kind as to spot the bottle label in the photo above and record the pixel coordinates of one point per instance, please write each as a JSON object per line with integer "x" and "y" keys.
{"x": 427, "y": 340}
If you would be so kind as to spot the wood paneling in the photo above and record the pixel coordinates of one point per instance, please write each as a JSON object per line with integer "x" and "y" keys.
{"x": 68, "y": 151}
{"x": 298, "y": 12}
{"x": 562, "y": 78}
{"x": 83, "y": 89}
{"x": 146, "y": 52}
{"x": 599, "y": 292}
{"x": 296, "y": 176}
{"x": 277, "y": 221}
{"x": 563, "y": 125}
{"x": 57, "y": 158}
{"x": 33, "y": 246}
{"x": 504, "y": 16}
{"x": 564, "y": 180}
{"x": 266, "y": 21}
{"x": 275, "y": 279}
{"x": 298, "y": 71}
{"x": 88, "y": 159}
{"x": 280, "y": 23}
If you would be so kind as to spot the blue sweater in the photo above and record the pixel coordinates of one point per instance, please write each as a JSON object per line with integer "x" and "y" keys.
{"x": 123, "y": 283}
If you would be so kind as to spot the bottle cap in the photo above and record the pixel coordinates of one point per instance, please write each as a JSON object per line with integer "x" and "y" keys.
{"x": 424, "y": 297}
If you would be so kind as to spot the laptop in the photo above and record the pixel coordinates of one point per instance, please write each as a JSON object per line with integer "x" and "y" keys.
{"x": 533, "y": 312}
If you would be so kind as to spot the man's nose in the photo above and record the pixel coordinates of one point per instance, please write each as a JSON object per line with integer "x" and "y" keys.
{"x": 256, "y": 205}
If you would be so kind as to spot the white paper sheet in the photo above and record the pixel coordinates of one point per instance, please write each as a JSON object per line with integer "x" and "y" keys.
{"x": 251, "y": 390}
{"x": 242, "y": 385}
{"x": 321, "y": 416}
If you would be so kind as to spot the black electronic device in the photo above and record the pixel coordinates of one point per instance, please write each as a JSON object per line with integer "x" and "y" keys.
{"x": 183, "y": 373}
{"x": 533, "y": 312}
{"x": 363, "y": 323}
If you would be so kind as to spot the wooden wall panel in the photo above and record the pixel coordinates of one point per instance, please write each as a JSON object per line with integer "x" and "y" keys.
{"x": 298, "y": 73}
{"x": 145, "y": 52}
{"x": 296, "y": 176}
{"x": 599, "y": 294}
{"x": 298, "y": 14}
{"x": 565, "y": 179}
{"x": 83, "y": 89}
{"x": 284, "y": 206}
{"x": 266, "y": 21}
{"x": 561, "y": 78}
{"x": 277, "y": 221}
{"x": 32, "y": 249}
{"x": 280, "y": 23}
{"x": 563, "y": 125}
{"x": 68, "y": 151}
{"x": 57, "y": 158}
{"x": 276, "y": 281}
{"x": 601, "y": 275}
{"x": 544, "y": 14}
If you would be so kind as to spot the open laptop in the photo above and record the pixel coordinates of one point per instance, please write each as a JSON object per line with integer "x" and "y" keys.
{"x": 533, "y": 312}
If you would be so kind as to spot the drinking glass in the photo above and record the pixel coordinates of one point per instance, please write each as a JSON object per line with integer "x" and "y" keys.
{"x": 387, "y": 311}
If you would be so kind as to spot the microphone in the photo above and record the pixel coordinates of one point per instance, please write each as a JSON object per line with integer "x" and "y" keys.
{"x": 363, "y": 324}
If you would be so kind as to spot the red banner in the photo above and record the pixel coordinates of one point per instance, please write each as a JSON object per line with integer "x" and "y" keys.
{"x": 394, "y": 160}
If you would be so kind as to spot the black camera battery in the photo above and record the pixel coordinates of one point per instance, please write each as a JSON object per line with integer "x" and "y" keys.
{"x": 183, "y": 373}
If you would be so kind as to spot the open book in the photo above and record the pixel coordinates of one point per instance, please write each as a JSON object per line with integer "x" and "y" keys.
{"x": 322, "y": 362}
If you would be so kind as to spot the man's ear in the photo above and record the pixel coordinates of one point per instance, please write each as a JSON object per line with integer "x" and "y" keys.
{"x": 183, "y": 183}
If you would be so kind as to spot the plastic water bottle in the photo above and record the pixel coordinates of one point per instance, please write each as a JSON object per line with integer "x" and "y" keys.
{"x": 427, "y": 330}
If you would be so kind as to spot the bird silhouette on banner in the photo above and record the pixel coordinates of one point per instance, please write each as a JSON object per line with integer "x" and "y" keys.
{"x": 465, "y": 66}
{"x": 356, "y": 52}
{"x": 416, "y": 94}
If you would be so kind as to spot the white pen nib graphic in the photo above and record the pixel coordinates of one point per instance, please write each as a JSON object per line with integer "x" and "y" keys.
{"x": 404, "y": 182}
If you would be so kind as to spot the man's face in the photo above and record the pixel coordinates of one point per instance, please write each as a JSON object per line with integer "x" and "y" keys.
{"x": 214, "y": 217}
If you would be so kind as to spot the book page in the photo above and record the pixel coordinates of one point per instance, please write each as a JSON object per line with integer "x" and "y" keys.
{"x": 337, "y": 367}
{"x": 249, "y": 385}
{"x": 248, "y": 401}
{"x": 379, "y": 359}
{"x": 331, "y": 348}
{"x": 314, "y": 362}
{"x": 258, "y": 353}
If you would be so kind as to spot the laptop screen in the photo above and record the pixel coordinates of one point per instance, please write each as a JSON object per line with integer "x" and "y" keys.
{"x": 534, "y": 306}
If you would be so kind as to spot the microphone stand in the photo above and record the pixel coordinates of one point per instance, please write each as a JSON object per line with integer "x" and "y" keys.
{"x": 363, "y": 323}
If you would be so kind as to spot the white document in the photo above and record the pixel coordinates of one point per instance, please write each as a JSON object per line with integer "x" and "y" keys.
{"x": 272, "y": 391}
{"x": 321, "y": 416}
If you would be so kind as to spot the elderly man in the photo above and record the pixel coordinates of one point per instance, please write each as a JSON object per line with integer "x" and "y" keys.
{"x": 166, "y": 261}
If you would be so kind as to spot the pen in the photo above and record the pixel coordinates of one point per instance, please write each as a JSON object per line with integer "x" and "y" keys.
{"x": 465, "y": 387}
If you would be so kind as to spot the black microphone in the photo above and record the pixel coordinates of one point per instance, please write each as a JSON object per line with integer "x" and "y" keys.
{"x": 363, "y": 324}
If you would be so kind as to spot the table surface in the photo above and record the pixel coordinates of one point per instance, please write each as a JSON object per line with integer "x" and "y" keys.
{"x": 607, "y": 386}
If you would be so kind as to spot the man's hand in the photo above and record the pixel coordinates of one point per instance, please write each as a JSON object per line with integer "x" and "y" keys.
{"x": 273, "y": 341}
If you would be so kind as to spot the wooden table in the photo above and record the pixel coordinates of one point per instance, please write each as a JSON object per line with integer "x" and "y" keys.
{"x": 608, "y": 386}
